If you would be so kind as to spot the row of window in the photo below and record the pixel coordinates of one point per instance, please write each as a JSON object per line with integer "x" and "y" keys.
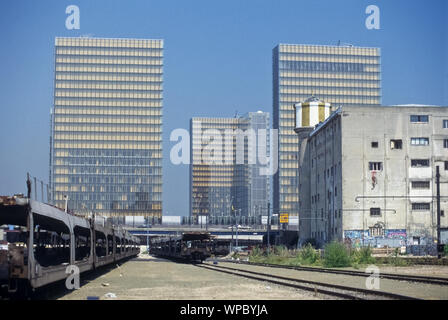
{"x": 73, "y": 102}
{"x": 328, "y": 66}
{"x": 343, "y": 83}
{"x": 417, "y": 118}
{"x": 327, "y": 75}
{"x": 98, "y": 76}
{"x": 109, "y": 85}
{"x": 110, "y": 61}
{"x": 416, "y": 206}
{"x": 398, "y": 143}
{"x": 415, "y": 163}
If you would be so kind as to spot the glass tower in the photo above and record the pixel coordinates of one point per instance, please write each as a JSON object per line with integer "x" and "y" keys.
{"x": 339, "y": 75}
{"x": 230, "y": 187}
{"x": 106, "y": 126}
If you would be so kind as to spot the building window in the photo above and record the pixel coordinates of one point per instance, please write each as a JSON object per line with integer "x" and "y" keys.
{"x": 421, "y": 206}
{"x": 419, "y": 141}
{"x": 445, "y": 124}
{"x": 416, "y": 163}
{"x": 420, "y": 184}
{"x": 396, "y": 144}
{"x": 374, "y": 144}
{"x": 375, "y": 212}
{"x": 419, "y": 118}
{"x": 442, "y": 213}
{"x": 375, "y": 166}
{"x": 445, "y": 143}
{"x": 446, "y": 165}
{"x": 377, "y": 230}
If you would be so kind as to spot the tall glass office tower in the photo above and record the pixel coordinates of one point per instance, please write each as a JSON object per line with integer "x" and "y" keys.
{"x": 339, "y": 75}
{"x": 106, "y": 126}
{"x": 230, "y": 187}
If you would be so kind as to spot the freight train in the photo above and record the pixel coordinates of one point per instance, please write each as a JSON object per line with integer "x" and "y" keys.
{"x": 190, "y": 246}
{"x": 44, "y": 244}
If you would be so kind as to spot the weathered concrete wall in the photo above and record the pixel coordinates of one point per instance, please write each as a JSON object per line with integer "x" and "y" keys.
{"x": 355, "y": 165}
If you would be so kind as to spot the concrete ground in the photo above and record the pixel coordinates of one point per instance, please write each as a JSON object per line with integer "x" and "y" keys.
{"x": 149, "y": 278}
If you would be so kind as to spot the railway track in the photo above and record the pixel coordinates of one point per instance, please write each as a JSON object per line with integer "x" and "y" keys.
{"x": 332, "y": 290}
{"x": 401, "y": 277}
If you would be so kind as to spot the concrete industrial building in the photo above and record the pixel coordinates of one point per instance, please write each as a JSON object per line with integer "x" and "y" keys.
{"x": 227, "y": 187}
{"x": 340, "y": 75}
{"x": 106, "y": 126}
{"x": 367, "y": 175}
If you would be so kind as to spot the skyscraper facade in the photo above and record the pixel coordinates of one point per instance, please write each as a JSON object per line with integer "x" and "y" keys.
{"x": 106, "y": 126}
{"x": 228, "y": 187}
{"x": 339, "y": 75}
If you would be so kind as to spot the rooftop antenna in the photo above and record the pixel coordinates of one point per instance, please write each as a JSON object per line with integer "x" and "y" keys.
{"x": 344, "y": 44}
{"x": 236, "y": 114}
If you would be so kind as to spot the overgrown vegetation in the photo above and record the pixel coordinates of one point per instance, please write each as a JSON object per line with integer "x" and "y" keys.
{"x": 309, "y": 255}
{"x": 281, "y": 255}
{"x": 336, "y": 255}
{"x": 362, "y": 256}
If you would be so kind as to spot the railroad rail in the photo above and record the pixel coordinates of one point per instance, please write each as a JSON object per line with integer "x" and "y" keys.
{"x": 340, "y": 291}
{"x": 392, "y": 276}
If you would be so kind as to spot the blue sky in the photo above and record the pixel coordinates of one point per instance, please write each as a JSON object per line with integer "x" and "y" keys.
{"x": 218, "y": 58}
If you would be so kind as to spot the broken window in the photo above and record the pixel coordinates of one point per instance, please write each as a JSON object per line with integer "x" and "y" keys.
{"x": 419, "y": 118}
{"x": 377, "y": 230}
{"x": 421, "y": 206}
{"x": 375, "y": 166}
{"x": 420, "y": 184}
{"x": 396, "y": 144}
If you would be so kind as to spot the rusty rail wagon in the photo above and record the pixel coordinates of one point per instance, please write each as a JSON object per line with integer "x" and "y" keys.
{"x": 46, "y": 242}
{"x": 190, "y": 246}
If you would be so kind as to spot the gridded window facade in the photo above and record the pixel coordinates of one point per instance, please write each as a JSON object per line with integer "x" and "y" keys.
{"x": 106, "y": 144}
{"x": 228, "y": 187}
{"x": 339, "y": 75}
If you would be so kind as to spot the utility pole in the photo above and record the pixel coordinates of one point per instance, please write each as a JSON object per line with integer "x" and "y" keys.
{"x": 269, "y": 225}
{"x": 231, "y": 242}
{"x": 237, "y": 222}
{"x": 439, "y": 244}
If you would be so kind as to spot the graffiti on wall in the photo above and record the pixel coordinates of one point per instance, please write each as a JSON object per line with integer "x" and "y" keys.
{"x": 391, "y": 237}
